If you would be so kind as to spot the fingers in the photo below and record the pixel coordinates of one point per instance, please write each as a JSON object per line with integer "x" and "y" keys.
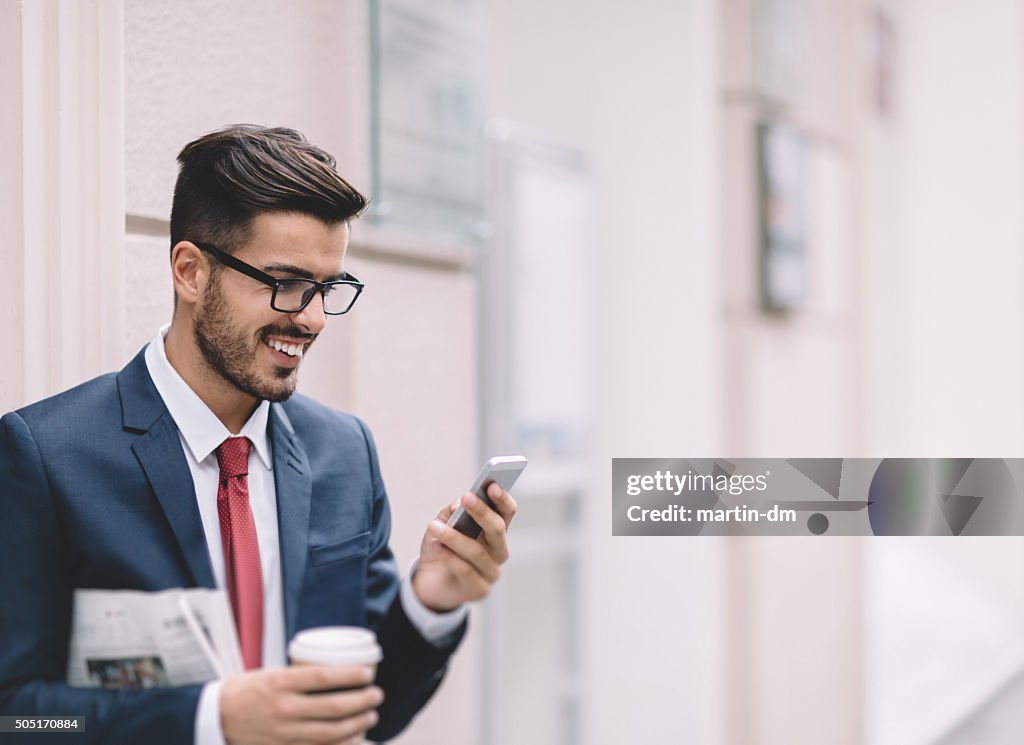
{"x": 285, "y": 705}
{"x": 304, "y": 678}
{"x": 494, "y": 525}
{"x": 332, "y": 705}
{"x": 344, "y": 730}
{"x": 471, "y": 583}
{"x": 472, "y": 555}
{"x": 503, "y": 502}
{"x": 455, "y": 568}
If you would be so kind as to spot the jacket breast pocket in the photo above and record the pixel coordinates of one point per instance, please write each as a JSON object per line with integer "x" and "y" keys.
{"x": 333, "y": 553}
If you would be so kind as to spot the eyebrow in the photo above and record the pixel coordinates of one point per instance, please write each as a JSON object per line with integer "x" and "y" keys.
{"x": 299, "y": 272}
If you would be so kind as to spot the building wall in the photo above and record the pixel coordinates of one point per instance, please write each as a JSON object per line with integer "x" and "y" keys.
{"x": 12, "y": 210}
{"x": 792, "y": 378}
{"x": 944, "y": 338}
{"x": 632, "y": 87}
{"x": 62, "y": 187}
{"x": 962, "y": 183}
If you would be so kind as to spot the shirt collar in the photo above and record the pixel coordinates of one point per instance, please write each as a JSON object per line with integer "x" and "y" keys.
{"x": 200, "y": 428}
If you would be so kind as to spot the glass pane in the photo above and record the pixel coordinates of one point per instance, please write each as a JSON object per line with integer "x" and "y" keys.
{"x": 427, "y": 117}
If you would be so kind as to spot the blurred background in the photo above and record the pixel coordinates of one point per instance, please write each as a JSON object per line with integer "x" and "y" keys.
{"x": 686, "y": 228}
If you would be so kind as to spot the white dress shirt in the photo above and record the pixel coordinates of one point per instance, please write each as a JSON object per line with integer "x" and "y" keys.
{"x": 201, "y": 433}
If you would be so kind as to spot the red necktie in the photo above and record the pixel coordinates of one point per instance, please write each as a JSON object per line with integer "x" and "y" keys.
{"x": 241, "y": 550}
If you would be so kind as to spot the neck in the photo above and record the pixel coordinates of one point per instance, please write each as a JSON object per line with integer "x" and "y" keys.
{"x": 232, "y": 407}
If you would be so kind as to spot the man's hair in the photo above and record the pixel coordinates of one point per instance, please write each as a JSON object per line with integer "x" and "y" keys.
{"x": 228, "y": 177}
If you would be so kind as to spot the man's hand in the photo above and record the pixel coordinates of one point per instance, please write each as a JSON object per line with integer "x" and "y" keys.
{"x": 454, "y": 568}
{"x": 280, "y": 705}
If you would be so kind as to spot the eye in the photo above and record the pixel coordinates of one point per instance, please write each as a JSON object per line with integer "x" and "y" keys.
{"x": 292, "y": 287}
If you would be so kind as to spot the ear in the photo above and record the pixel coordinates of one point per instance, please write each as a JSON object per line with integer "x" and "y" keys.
{"x": 190, "y": 271}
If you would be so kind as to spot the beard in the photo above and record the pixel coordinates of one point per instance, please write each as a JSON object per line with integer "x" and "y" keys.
{"x": 231, "y": 352}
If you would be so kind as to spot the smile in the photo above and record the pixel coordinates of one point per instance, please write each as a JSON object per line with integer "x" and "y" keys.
{"x": 292, "y": 350}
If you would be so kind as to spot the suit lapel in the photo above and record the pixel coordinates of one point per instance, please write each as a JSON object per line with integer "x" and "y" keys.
{"x": 160, "y": 454}
{"x": 294, "y": 486}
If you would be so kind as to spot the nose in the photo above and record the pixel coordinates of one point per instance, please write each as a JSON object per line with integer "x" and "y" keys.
{"x": 312, "y": 318}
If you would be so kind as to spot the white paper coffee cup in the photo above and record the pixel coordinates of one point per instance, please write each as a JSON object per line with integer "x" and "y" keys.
{"x": 349, "y": 646}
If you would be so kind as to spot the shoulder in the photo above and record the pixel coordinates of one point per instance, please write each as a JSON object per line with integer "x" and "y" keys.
{"x": 313, "y": 421}
{"x": 83, "y": 422}
{"x": 82, "y": 408}
{"x": 334, "y": 442}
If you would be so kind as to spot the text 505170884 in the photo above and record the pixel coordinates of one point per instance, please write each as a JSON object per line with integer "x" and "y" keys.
{"x": 42, "y": 724}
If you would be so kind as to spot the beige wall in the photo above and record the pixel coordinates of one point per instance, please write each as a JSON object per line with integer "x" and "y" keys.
{"x": 632, "y": 86}
{"x": 943, "y": 339}
{"x": 793, "y": 380}
{"x": 62, "y": 194}
{"x": 952, "y": 319}
{"x": 12, "y": 213}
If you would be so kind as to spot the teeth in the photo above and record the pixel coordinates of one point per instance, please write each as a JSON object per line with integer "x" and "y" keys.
{"x": 292, "y": 350}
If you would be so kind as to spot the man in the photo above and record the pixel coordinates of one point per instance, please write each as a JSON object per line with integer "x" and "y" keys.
{"x": 197, "y": 466}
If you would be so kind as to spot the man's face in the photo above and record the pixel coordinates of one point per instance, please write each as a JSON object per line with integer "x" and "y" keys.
{"x": 235, "y": 328}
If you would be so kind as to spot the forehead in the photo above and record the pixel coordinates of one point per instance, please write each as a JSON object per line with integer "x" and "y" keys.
{"x": 295, "y": 239}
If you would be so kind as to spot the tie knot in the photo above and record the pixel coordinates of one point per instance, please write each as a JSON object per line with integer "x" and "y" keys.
{"x": 233, "y": 457}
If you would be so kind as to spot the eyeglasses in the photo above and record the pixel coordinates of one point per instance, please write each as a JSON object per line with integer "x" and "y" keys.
{"x": 292, "y": 295}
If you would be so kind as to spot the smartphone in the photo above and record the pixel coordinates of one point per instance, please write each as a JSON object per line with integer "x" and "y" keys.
{"x": 502, "y": 470}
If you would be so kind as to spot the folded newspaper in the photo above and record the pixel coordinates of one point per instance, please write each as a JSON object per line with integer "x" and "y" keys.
{"x": 132, "y": 639}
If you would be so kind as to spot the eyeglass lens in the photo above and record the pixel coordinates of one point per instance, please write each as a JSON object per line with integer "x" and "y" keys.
{"x": 294, "y": 294}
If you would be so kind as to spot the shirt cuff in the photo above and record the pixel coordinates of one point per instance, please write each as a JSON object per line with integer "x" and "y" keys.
{"x": 433, "y": 626}
{"x": 208, "y": 731}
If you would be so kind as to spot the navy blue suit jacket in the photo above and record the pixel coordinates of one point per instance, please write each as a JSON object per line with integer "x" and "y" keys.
{"x": 95, "y": 492}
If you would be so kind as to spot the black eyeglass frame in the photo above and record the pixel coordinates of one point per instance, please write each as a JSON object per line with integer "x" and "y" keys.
{"x": 275, "y": 282}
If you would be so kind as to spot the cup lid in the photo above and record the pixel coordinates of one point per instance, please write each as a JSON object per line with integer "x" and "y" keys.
{"x": 335, "y": 645}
